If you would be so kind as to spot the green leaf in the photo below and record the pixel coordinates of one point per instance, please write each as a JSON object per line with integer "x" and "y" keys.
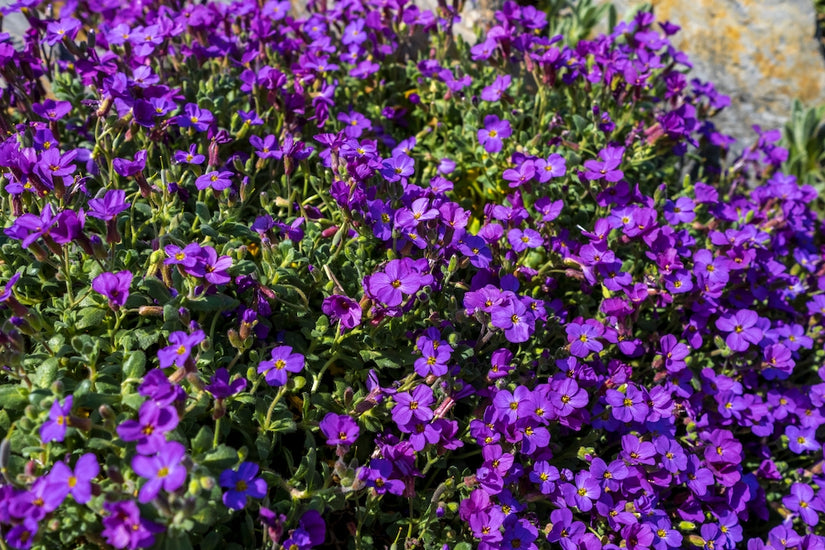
{"x": 203, "y": 213}
{"x": 145, "y": 338}
{"x": 90, "y": 317}
{"x": 216, "y": 302}
{"x": 47, "y": 372}
{"x": 13, "y": 398}
{"x": 135, "y": 364}
{"x": 202, "y": 441}
{"x": 220, "y": 459}
{"x": 156, "y": 289}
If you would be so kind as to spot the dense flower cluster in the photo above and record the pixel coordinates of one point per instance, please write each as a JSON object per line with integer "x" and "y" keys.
{"x": 343, "y": 278}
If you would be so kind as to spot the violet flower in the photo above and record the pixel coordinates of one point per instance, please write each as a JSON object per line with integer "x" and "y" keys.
{"x": 220, "y": 387}
{"x": 214, "y": 180}
{"x": 180, "y": 348}
{"x": 494, "y": 91}
{"x": 283, "y": 361}
{"x": 339, "y": 429}
{"x": 342, "y": 309}
{"x": 195, "y": 117}
{"x": 152, "y": 423}
{"x": 495, "y": 130}
{"x": 242, "y": 483}
{"x": 54, "y": 429}
{"x": 114, "y": 286}
{"x": 741, "y": 328}
{"x": 163, "y": 470}
{"x": 124, "y": 528}
{"x": 608, "y": 167}
{"x": 78, "y": 483}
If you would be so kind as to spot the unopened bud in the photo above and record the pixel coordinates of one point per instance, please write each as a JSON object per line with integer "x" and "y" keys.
{"x": 106, "y": 412}
{"x": 195, "y": 380}
{"x": 114, "y": 474}
{"x": 150, "y": 311}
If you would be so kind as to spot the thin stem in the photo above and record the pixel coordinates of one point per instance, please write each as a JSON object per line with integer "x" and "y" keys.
{"x": 67, "y": 275}
{"x": 217, "y": 431}
{"x": 275, "y": 401}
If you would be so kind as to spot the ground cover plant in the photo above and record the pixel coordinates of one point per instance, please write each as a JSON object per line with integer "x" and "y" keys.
{"x": 344, "y": 280}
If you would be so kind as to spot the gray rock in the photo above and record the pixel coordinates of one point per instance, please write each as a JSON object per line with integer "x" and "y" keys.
{"x": 761, "y": 53}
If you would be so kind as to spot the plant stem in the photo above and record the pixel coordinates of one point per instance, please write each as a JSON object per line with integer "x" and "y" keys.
{"x": 275, "y": 401}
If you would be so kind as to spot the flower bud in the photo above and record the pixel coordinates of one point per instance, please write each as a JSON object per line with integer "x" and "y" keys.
{"x": 195, "y": 380}
{"x": 114, "y": 474}
{"x": 150, "y": 311}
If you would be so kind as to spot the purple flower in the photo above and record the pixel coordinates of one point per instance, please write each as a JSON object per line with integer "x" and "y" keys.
{"x": 129, "y": 168}
{"x": 54, "y": 429}
{"x": 398, "y": 168}
{"x": 567, "y": 397}
{"x": 187, "y": 256}
{"x": 583, "y": 338}
{"x": 180, "y": 349}
{"x": 42, "y": 498}
{"x": 51, "y": 109}
{"x": 433, "y": 360}
{"x": 802, "y": 501}
{"x": 698, "y": 477}
{"x": 565, "y": 531}
{"x": 78, "y": 482}
{"x": 114, "y": 286}
{"x": 157, "y": 387}
{"x": 354, "y": 32}
{"x": 495, "y": 130}
{"x": 510, "y": 406}
{"x": 214, "y": 180}
{"x": 354, "y": 124}
{"x": 520, "y": 175}
{"x": 339, "y": 429}
{"x": 311, "y": 532}
{"x": 635, "y": 451}
{"x": 680, "y": 211}
{"x": 545, "y": 475}
{"x": 609, "y": 475}
{"x": 162, "y": 470}
{"x": 152, "y": 423}
{"x": 608, "y": 168}
{"x": 283, "y": 361}
{"x": 30, "y": 227}
{"x": 220, "y": 387}
{"x": 628, "y": 407}
{"x": 494, "y": 91}
{"x": 112, "y": 204}
{"x": 583, "y": 492}
{"x": 377, "y": 476}
{"x": 741, "y": 328}
{"x": 413, "y": 406}
{"x": 801, "y": 440}
{"x": 552, "y": 167}
{"x": 389, "y": 286}
{"x": 343, "y": 309}
{"x": 194, "y": 117}
{"x": 267, "y": 147}
{"x": 513, "y": 317}
{"x": 522, "y": 240}
{"x": 674, "y": 353}
{"x": 242, "y": 483}
{"x": 212, "y": 267}
{"x": 124, "y": 528}
{"x": 190, "y": 157}
{"x": 22, "y": 535}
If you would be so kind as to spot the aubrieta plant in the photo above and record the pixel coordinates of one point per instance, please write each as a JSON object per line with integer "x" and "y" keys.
{"x": 344, "y": 280}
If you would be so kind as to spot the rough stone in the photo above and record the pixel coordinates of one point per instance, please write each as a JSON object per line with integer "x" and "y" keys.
{"x": 761, "y": 53}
